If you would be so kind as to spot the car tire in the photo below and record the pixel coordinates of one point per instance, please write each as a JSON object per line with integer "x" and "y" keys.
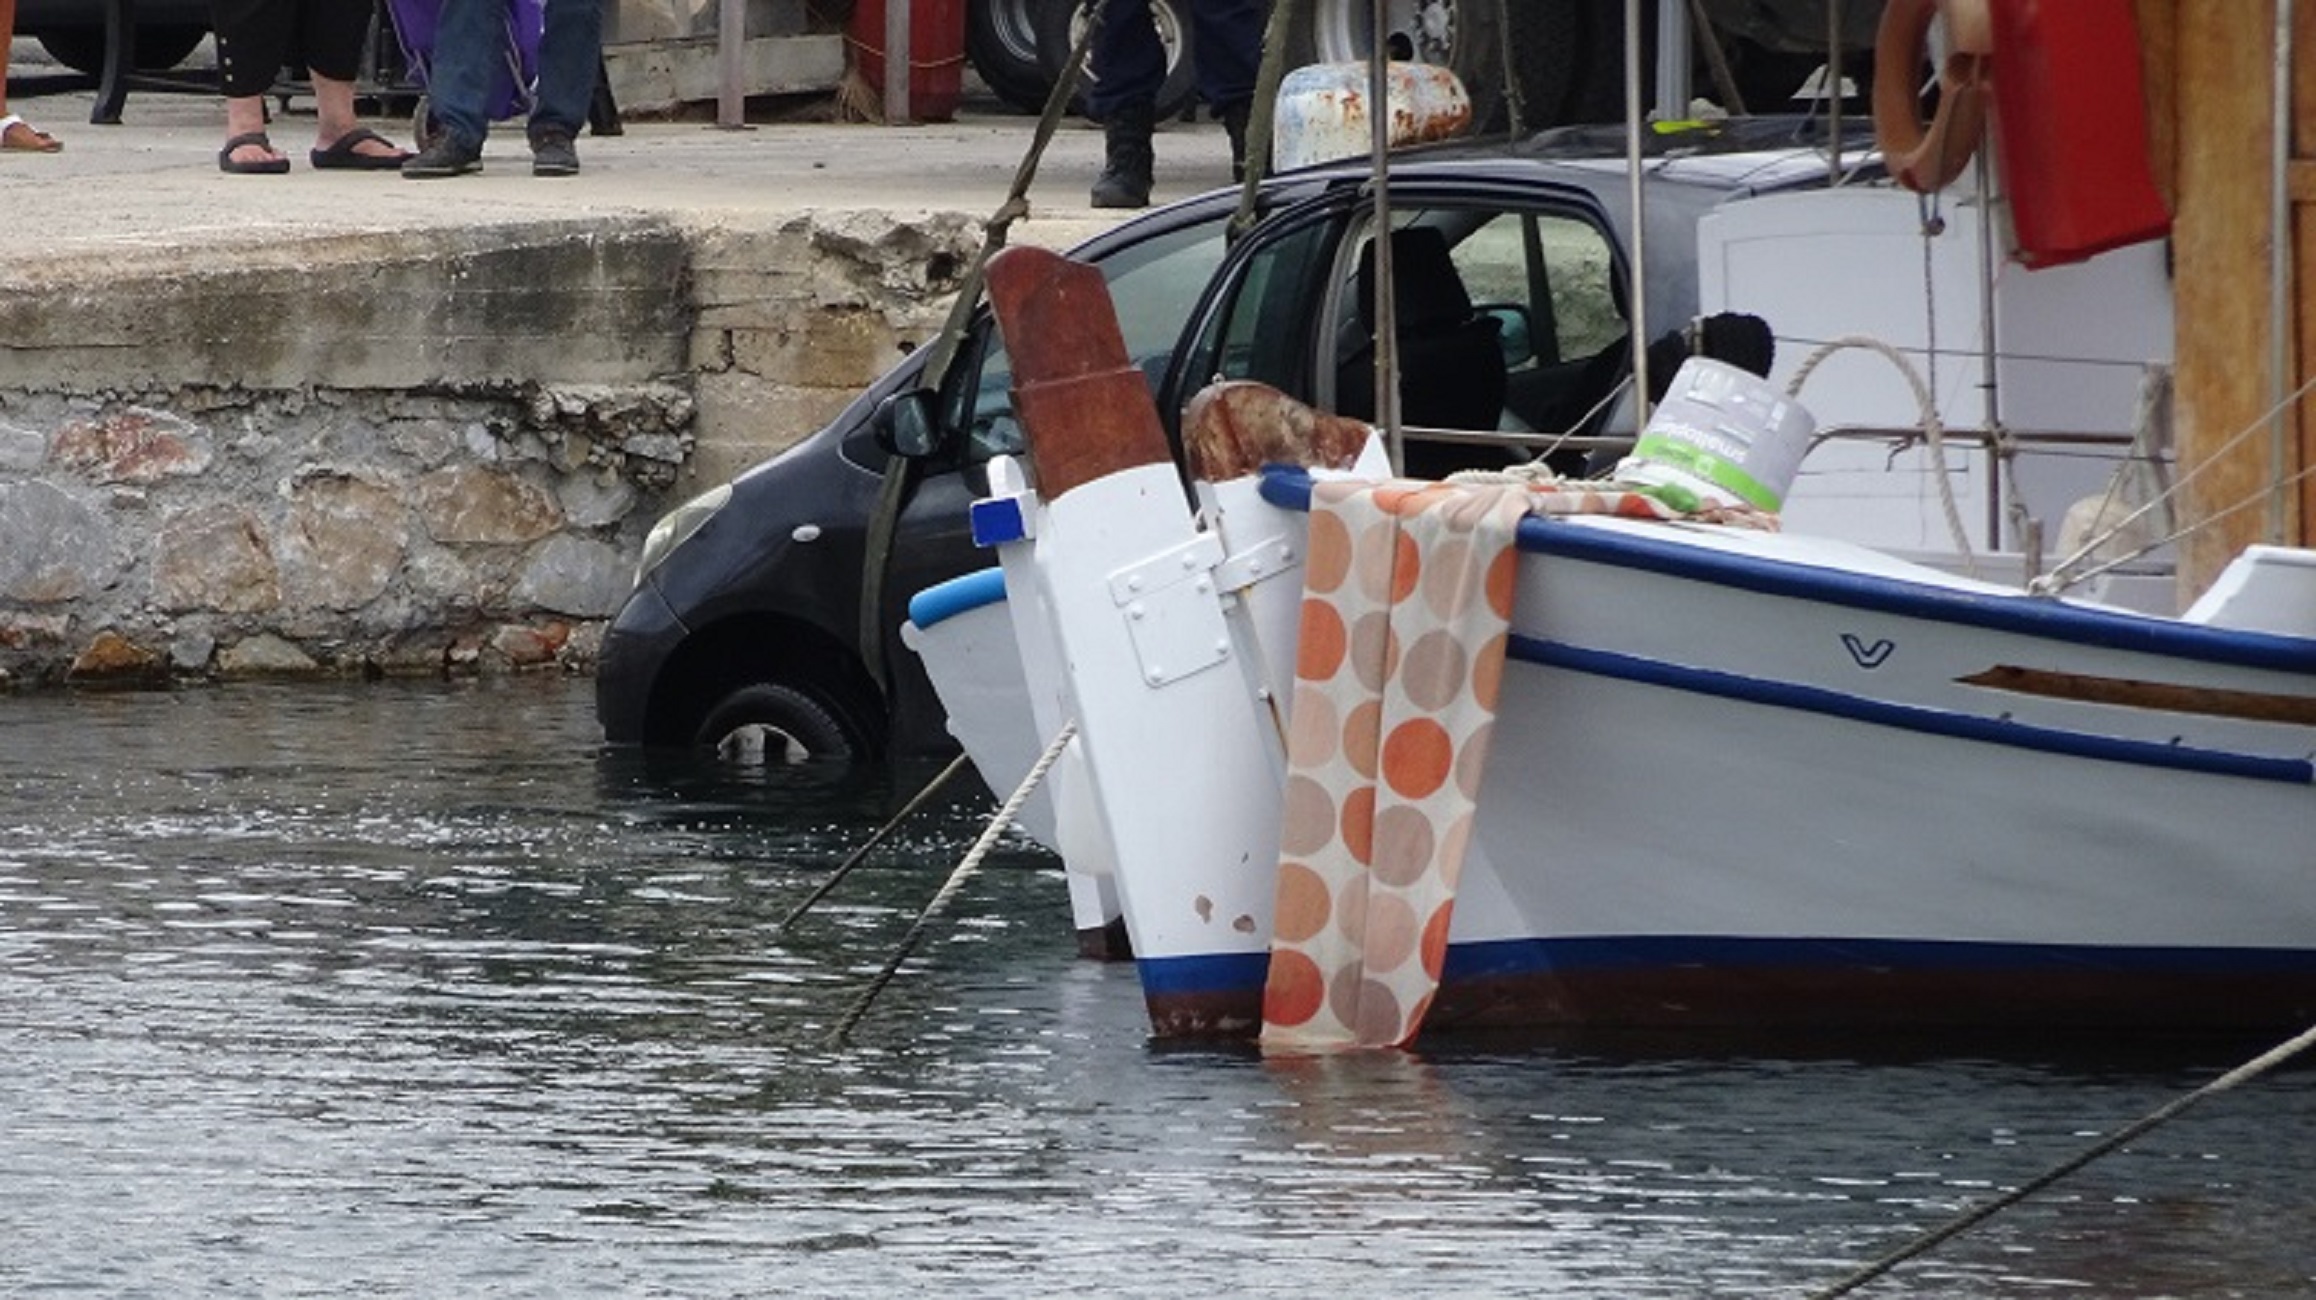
{"x": 1057, "y": 36}
{"x": 160, "y": 46}
{"x": 1339, "y": 31}
{"x": 765, "y": 724}
{"x": 1001, "y": 43}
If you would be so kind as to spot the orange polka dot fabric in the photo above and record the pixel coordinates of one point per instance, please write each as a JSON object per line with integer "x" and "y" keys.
{"x": 1407, "y": 601}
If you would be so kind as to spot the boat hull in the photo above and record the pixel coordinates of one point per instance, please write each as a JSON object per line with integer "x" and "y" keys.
{"x": 1742, "y": 780}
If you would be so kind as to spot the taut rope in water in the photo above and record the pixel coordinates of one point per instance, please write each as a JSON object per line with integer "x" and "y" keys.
{"x": 957, "y": 879}
{"x": 2249, "y": 1070}
{"x": 854, "y": 859}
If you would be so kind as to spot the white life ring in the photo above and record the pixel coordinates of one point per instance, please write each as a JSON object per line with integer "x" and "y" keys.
{"x": 1927, "y": 158}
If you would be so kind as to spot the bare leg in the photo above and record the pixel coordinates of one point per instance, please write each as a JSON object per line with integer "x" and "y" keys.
{"x": 245, "y": 115}
{"x": 21, "y": 135}
{"x": 334, "y": 109}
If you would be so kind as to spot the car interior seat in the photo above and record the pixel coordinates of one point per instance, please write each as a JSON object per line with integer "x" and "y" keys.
{"x": 1451, "y": 359}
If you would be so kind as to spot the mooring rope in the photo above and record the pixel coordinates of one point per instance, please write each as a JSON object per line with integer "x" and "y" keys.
{"x": 956, "y": 881}
{"x": 2065, "y": 574}
{"x": 860, "y": 854}
{"x": 2249, "y": 1070}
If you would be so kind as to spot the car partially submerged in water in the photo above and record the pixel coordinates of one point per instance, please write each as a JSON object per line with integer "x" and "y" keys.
{"x": 744, "y": 632}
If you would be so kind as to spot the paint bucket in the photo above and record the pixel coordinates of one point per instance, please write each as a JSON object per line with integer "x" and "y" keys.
{"x": 1724, "y": 434}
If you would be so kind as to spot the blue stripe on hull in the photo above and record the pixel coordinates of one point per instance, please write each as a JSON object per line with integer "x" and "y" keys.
{"x": 1698, "y": 982}
{"x": 2031, "y": 616}
{"x": 1882, "y": 713}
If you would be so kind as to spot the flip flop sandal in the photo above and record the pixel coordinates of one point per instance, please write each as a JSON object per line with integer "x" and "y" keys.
{"x": 346, "y": 154}
{"x": 262, "y": 167}
{"x": 20, "y": 136}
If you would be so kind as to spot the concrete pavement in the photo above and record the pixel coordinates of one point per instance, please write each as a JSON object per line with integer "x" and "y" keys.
{"x": 152, "y": 180}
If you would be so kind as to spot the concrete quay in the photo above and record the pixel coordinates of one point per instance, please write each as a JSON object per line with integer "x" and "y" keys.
{"x": 348, "y": 423}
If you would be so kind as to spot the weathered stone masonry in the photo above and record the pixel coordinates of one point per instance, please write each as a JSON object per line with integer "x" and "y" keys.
{"x": 408, "y": 452}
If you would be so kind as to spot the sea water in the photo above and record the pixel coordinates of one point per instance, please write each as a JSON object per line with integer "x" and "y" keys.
{"x": 408, "y": 989}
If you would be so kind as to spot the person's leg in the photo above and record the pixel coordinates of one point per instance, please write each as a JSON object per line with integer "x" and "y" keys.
{"x": 1228, "y": 35}
{"x": 334, "y": 31}
{"x": 570, "y": 59}
{"x": 16, "y": 133}
{"x": 469, "y": 41}
{"x": 253, "y": 38}
{"x": 1125, "y": 66}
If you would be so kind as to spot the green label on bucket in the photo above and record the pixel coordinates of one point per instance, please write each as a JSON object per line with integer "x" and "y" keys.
{"x": 1698, "y": 463}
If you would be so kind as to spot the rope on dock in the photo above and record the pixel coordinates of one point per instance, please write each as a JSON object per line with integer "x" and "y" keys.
{"x": 2249, "y": 1070}
{"x": 956, "y": 881}
{"x": 854, "y": 859}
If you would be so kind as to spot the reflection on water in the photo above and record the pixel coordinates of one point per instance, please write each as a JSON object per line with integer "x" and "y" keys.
{"x": 406, "y": 988}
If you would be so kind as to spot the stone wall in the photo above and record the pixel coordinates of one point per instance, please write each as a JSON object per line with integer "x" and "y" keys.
{"x": 378, "y": 454}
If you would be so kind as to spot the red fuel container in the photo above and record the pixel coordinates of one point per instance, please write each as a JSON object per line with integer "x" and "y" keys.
{"x": 2071, "y": 128}
{"x": 936, "y": 53}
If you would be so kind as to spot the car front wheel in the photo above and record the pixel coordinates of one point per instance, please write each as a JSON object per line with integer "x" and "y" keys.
{"x": 767, "y": 724}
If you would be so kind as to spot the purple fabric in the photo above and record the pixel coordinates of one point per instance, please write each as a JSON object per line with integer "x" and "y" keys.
{"x": 512, "y": 85}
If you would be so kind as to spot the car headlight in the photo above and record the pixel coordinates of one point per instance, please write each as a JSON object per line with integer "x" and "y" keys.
{"x": 677, "y": 526}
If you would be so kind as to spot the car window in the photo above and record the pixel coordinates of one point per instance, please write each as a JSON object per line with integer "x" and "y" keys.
{"x": 1153, "y": 286}
{"x": 1262, "y": 329}
{"x": 1509, "y": 319}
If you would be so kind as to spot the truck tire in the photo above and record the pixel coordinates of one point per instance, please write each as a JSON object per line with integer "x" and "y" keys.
{"x": 1460, "y": 35}
{"x": 1057, "y": 35}
{"x": 1001, "y": 42}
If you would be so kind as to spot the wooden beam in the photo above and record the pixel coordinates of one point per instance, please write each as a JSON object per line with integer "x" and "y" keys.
{"x": 2222, "y": 235}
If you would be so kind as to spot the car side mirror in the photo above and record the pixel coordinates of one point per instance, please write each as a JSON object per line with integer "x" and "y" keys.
{"x": 906, "y": 424}
{"x": 1515, "y": 332}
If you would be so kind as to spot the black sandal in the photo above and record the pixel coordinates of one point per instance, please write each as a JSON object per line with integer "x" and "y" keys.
{"x": 345, "y": 154}
{"x": 262, "y": 167}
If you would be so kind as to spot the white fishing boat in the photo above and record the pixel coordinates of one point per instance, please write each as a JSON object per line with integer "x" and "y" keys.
{"x": 1354, "y": 757}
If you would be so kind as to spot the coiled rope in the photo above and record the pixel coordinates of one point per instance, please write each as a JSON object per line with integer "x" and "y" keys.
{"x": 2249, "y": 1070}
{"x": 1933, "y": 428}
{"x": 956, "y": 881}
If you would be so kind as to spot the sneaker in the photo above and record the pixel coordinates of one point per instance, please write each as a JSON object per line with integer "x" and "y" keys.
{"x": 447, "y": 156}
{"x": 553, "y": 154}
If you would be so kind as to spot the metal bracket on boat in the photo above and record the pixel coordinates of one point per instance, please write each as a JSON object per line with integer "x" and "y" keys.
{"x": 1173, "y": 610}
{"x": 1267, "y": 558}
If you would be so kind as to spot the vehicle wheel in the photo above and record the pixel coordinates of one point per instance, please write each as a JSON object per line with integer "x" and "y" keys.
{"x": 160, "y": 47}
{"x": 1001, "y": 41}
{"x": 1059, "y": 26}
{"x": 1543, "y": 36}
{"x": 767, "y": 724}
{"x": 1459, "y": 35}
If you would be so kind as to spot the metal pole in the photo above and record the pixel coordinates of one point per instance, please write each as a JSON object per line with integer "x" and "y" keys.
{"x": 1833, "y": 92}
{"x": 1386, "y": 293}
{"x": 898, "y": 111}
{"x": 1632, "y": 132}
{"x": 1675, "y": 53}
{"x": 731, "y": 45}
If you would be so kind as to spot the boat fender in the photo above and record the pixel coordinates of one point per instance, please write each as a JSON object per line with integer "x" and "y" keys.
{"x": 1927, "y": 158}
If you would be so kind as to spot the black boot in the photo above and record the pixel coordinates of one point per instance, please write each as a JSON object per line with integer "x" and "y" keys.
{"x": 1128, "y": 159}
{"x": 1234, "y": 125}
